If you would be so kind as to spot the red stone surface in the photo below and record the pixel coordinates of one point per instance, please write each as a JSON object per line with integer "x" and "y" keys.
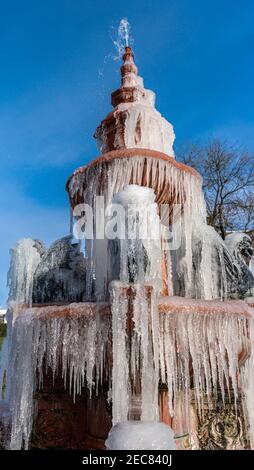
{"x": 62, "y": 424}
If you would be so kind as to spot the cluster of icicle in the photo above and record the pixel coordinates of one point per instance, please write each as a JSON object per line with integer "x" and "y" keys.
{"x": 200, "y": 268}
{"x": 181, "y": 350}
{"x": 160, "y": 349}
{"x": 204, "y": 348}
{"x": 196, "y": 355}
{"x": 135, "y": 367}
{"x": 76, "y": 346}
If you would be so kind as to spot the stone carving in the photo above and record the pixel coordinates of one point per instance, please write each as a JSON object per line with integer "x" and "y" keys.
{"x": 222, "y": 428}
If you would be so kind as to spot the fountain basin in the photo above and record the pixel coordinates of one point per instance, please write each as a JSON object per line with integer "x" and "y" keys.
{"x": 139, "y": 166}
{"x": 179, "y": 305}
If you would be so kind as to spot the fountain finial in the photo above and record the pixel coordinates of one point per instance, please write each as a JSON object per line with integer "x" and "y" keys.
{"x": 134, "y": 122}
{"x": 128, "y": 66}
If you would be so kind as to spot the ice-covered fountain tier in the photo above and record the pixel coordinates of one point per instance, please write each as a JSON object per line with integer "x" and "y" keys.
{"x": 135, "y": 328}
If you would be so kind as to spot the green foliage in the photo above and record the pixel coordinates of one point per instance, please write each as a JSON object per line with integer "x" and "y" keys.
{"x": 3, "y": 332}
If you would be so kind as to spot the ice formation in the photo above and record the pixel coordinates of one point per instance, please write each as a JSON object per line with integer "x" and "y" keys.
{"x": 136, "y": 435}
{"x": 202, "y": 267}
{"x": 182, "y": 344}
{"x": 135, "y": 373}
{"x": 140, "y": 263}
{"x": 203, "y": 341}
{"x": 236, "y": 240}
{"x": 188, "y": 342}
{"x": 75, "y": 342}
{"x": 60, "y": 274}
{"x": 140, "y": 244}
{"x": 239, "y": 245}
{"x": 182, "y": 188}
{"x": 25, "y": 257}
{"x": 159, "y": 133}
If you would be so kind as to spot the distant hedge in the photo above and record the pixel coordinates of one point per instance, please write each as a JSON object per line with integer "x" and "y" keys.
{"x": 3, "y": 329}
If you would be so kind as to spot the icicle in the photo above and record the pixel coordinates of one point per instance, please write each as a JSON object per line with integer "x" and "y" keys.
{"x": 205, "y": 342}
{"x": 121, "y": 355}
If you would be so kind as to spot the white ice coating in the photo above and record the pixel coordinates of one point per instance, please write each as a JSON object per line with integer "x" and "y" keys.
{"x": 138, "y": 124}
{"x": 76, "y": 345}
{"x": 136, "y": 435}
{"x": 25, "y": 257}
{"x": 142, "y": 236}
{"x": 144, "y": 126}
{"x": 135, "y": 373}
{"x": 233, "y": 239}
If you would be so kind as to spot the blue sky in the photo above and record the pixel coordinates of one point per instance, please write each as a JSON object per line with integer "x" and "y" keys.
{"x": 196, "y": 55}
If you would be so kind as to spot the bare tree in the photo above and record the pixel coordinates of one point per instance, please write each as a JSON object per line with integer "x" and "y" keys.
{"x": 228, "y": 184}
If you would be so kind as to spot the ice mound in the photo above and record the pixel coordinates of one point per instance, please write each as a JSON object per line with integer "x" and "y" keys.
{"x": 133, "y": 194}
{"x": 140, "y": 435}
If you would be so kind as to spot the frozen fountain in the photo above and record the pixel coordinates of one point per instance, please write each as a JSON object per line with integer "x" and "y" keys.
{"x": 131, "y": 331}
